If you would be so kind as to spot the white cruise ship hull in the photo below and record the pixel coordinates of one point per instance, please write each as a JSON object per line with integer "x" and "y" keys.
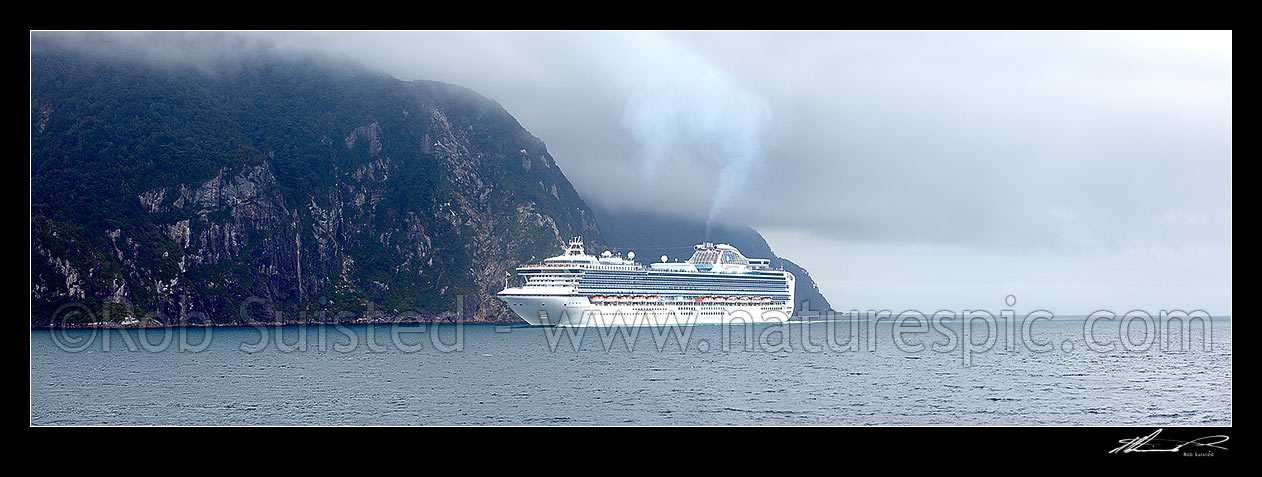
{"x": 580, "y": 311}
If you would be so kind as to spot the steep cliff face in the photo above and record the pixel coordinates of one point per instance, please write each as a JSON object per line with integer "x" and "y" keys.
{"x": 275, "y": 187}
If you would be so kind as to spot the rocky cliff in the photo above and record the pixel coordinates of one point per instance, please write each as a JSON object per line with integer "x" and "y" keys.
{"x": 270, "y": 187}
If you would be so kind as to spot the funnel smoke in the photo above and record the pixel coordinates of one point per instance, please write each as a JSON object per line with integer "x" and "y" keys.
{"x": 679, "y": 104}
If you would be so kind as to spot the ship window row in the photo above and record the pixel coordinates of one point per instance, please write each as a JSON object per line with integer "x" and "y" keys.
{"x": 683, "y": 306}
{"x": 647, "y": 286}
{"x": 721, "y": 278}
{"x": 691, "y": 296}
{"x": 690, "y": 274}
{"x": 677, "y": 292}
{"x": 774, "y": 301}
{"x": 691, "y": 304}
{"x": 676, "y": 280}
{"x": 685, "y": 283}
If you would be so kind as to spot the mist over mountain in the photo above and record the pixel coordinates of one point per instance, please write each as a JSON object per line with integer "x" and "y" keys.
{"x": 292, "y": 184}
{"x": 261, "y": 186}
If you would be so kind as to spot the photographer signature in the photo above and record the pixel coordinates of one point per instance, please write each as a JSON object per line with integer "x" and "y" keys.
{"x": 1136, "y": 444}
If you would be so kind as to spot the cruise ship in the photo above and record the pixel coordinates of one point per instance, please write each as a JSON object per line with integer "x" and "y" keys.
{"x": 717, "y": 285}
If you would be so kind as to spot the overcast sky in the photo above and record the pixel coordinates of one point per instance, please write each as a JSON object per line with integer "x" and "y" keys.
{"x": 928, "y": 170}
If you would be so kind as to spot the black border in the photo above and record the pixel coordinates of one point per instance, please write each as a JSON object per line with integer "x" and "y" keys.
{"x": 557, "y": 449}
{"x": 672, "y": 16}
{"x": 837, "y": 450}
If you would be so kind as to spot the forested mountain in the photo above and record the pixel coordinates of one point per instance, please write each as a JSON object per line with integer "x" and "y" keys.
{"x": 293, "y": 184}
{"x": 269, "y": 186}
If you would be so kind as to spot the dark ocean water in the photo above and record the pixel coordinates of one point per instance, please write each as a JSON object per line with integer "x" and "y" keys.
{"x": 741, "y": 375}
